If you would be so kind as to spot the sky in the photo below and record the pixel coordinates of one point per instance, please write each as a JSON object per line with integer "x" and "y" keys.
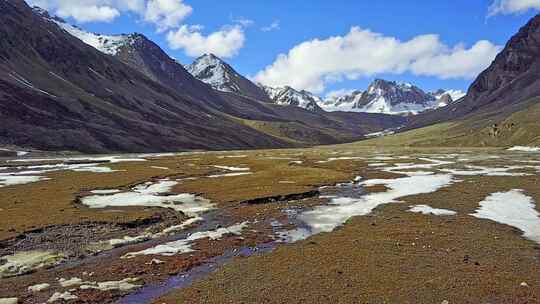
{"x": 327, "y": 47}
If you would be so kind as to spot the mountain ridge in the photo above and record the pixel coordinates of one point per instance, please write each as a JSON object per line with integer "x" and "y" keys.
{"x": 223, "y": 77}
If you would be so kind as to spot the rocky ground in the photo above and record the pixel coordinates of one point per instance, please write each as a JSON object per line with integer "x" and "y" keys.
{"x": 344, "y": 224}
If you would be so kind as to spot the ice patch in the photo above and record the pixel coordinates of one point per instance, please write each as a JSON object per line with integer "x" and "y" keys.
{"x": 9, "y": 300}
{"x": 27, "y": 262}
{"x": 512, "y": 208}
{"x": 233, "y": 156}
{"x": 184, "y": 245}
{"x": 11, "y": 180}
{"x": 525, "y": 149}
{"x": 160, "y": 168}
{"x": 152, "y": 195}
{"x": 431, "y": 163}
{"x": 33, "y": 173}
{"x": 94, "y": 169}
{"x": 39, "y": 287}
{"x": 485, "y": 171}
{"x": 65, "y": 296}
{"x": 230, "y": 174}
{"x": 331, "y": 159}
{"x": 123, "y": 285}
{"x": 427, "y": 210}
{"x": 129, "y": 240}
{"x": 232, "y": 168}
{"x": 71, "y": 282}
{"x": 328, "y": 217}
{"x": 182, "y": 226}
{"x": 111, "y": 191}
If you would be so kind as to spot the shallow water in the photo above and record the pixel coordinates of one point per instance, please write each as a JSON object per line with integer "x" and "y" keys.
{"x": 153, "y": 291}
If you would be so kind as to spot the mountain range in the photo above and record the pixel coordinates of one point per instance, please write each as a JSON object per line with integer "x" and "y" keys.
{"x": 386, "y": 97}
{"x": 63, "y": 88}
{"x": 390, "y": 97}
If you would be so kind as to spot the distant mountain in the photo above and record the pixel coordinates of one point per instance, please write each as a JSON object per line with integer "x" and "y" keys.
{"x": 221, "y": 76}
{"x": 502, "y": 105}
{"x": 287, "y": 96}
{"x": 391, "y": 98}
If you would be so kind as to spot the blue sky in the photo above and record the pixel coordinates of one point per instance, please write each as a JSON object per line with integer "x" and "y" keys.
{"x": 455, "y": 22}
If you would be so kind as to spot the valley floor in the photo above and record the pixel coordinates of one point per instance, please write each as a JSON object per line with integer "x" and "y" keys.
{"x": 343, "y": 224}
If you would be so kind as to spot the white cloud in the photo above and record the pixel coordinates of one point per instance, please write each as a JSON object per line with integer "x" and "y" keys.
{"x": 165, "y": 14}
{"x": 91, "y": 13}
{"x": 459, "y": 62}
{"x": 223, "y": 43}
{"x": 312, "y": 64}
{"x": 274, "y": 26}
{"x": 512, "y": 6}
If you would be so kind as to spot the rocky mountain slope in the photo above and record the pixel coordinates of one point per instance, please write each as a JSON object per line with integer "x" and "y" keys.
{"x": 60, "y": 93}
{"x": 501, "y": 107}
{"x": 222, "y": 77}
{"x": 287, "y": 96}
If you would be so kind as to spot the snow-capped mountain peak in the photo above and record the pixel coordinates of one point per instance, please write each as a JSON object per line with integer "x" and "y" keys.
{"x": 391, "y": 97}
{"x": 288, "y": 96}
{"x": 108, "y": 44}
{"x": 221, "y": 76}
{"x": 215, "y": 72}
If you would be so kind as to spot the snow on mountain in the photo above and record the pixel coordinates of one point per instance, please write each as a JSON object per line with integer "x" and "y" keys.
{"x": 212, "y": 70}
{"x": 222, "y": 77}
{"x": 108, "y": 44}
{"x": 391, "y": 98}
{"x": 288, "y": 96}
{"x": 454, "y": 94}
{"x": 342, "y": 102}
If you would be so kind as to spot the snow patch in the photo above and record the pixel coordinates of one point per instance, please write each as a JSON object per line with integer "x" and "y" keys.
{"x": 512, "y": 208}
{"x": 65, "y": 296}
{"x": 339, "y": 210}
{"x": 232, "y": 168}
{"x": 152, "y": 195}
{"x": 230, "y": 174}
{"x": 525, "y": 149}
{"x": 184, "y": 245}
{"x": 123, "y": 285}
{"x": 27, "y": 262}
{"x": 427, "y": 210}
{"x": 39, "y": 287}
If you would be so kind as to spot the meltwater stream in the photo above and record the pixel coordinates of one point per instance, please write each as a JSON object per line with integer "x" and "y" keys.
{"x": 346, "y": 201}
{"x": 150, "y": 292}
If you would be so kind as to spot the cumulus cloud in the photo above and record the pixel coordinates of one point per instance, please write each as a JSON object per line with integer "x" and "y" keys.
{"x": 223, "y": 43}
{"x": 360, "y": 53}
{"x": 512, "y": 6}
{"x": 274, "y": 26}
{"x": 164, "y": 14}
{"x": 101, "y": 13}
